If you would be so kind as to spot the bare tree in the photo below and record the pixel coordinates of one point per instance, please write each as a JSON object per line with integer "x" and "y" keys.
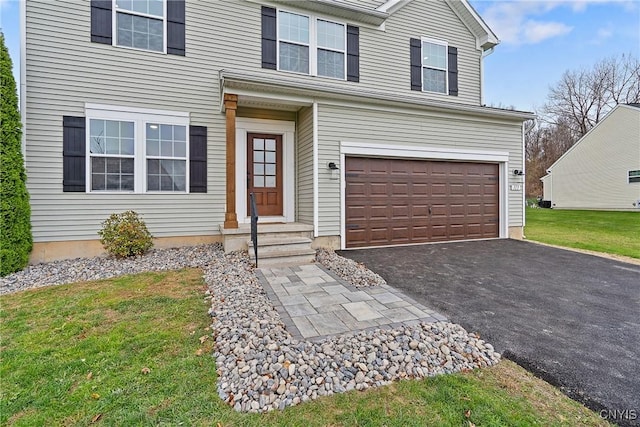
{"x": 544, "y": 144}
{"x": 582, "y": 98}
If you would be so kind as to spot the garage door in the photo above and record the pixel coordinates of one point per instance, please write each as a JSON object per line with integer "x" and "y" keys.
{"x": 393, "y": 201}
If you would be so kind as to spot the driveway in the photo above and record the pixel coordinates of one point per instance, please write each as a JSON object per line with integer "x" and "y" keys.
{"x": 572, "y": 319}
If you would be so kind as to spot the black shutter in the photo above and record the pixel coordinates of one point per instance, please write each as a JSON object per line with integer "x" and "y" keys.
{"x": 353, "y": 53}
{"x": 73, "y": 154}
{"x": 197, "y": 159}
{"x": 269, "y": 38}
{"x": 175, "y": 27}
{"x": 101, "y": 21}
{"x": 416, "y": 64}
{"x": 453, "y": 71}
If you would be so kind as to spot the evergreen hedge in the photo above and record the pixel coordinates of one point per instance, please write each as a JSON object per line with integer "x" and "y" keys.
{"x": 15, "y": 213}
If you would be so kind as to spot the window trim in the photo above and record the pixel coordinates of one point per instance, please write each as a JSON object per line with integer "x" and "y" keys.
{"x": 636, "y": 177}
{"x": 313, "y": 44}
{"x": 114, "y": 27}
{"x": 446, "y": 64}
{"x": 140, "y": 118}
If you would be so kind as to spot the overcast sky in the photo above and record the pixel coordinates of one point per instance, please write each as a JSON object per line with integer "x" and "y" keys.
{"x": 540, "y": 40}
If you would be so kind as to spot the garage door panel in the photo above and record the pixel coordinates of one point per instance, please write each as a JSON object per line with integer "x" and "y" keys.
{"x": 394, "y": 201}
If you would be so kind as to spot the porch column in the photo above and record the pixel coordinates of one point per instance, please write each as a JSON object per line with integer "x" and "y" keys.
{"x": 231, "y": 104}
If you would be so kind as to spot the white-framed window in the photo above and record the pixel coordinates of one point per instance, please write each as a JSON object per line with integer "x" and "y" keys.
{"x": 136, "y": 151}
{"x": 434, "y": 66}
{"x": 140, "y": 24}
{"x": 311, "y": 45}
{"x": 634, "y": 176}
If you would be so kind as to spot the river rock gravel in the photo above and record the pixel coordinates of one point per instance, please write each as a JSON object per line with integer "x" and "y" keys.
{"x": 81, "y": 269}
{"x": 353, "y": 272}
{"x": 262, "y": 368}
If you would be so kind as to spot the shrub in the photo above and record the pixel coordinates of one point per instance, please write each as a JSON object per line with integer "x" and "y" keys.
{"x": 125, "y": 235}
{"x": 15, "y": 212}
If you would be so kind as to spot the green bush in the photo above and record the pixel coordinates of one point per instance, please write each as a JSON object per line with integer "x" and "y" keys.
{"x": 125, "y": 235}
{"x": 15, "y": 212}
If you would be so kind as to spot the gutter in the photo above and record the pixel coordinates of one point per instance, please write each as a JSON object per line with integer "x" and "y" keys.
{"x": 267, "y": 83}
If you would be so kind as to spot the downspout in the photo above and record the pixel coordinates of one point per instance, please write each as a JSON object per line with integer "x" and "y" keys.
{"x": 23, "y": 79}
{"x": 485, "y": 53}
{"x": 316, "y": 216}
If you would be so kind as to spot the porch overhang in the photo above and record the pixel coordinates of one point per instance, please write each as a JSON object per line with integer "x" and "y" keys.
{"x": 286, "y": 93}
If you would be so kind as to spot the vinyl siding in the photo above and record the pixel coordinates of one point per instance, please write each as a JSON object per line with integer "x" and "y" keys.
{"x": 65, "y": 70}
{"x": 304, "y": 166}
{"x": 594, "y": 173}
{"x": 338, "y": 123}
{"x": 384, "y": 54}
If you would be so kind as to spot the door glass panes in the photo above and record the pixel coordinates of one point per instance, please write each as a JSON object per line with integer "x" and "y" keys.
{"x": 264, "y": 162}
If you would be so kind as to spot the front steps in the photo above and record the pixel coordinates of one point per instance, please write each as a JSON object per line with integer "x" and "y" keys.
{"x": 279, "y": 245}
{"x": 282, "y": 251}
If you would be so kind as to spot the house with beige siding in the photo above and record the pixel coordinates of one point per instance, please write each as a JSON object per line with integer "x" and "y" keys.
{"x": 353, "y": 123}
{"x": 602, "y": 170}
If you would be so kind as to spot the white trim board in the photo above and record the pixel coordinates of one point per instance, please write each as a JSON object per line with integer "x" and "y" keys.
{"x": 360, "y": 149}
{"x": 287, "y": 130}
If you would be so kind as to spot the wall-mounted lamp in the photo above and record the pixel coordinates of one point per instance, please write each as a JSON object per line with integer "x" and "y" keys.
{"x": 518, "y": 172}
{"x": 333, "y": 167}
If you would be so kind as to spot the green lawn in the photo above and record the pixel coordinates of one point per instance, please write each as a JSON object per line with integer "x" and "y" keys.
{"x": 602, "y": 231}
{"x": 134, "y": 351}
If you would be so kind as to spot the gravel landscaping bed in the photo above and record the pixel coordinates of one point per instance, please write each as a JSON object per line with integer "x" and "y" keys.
{"x": 351, "y": 271}
{"x": 82, "y": 269}
{"x": 260, "y": 366}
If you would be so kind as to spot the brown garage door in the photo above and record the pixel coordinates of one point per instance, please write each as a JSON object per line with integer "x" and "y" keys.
{"x": 393, "y": 202}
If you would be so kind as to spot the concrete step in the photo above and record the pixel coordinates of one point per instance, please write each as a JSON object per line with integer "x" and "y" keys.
{"x": 283, "y": 251}
{"x": 287, "y": 261}
{"x": 277, "y": 245}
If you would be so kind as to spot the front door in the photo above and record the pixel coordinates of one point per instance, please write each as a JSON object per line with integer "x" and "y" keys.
{"x": 264, "y": 173}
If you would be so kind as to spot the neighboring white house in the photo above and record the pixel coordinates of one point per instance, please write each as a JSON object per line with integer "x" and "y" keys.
{"x": 602, "y": 170}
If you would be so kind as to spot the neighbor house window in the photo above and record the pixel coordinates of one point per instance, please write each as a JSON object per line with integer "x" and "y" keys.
{"x": 130, "y": 151}
{"x": 434, "y": 66}
{"x": 310, "y": 45}
{"x": 634, "y": 176}
{"x": 140, "y": 24}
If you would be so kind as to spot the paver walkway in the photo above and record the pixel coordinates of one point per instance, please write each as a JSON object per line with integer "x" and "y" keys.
{"x": 313, "y": 303}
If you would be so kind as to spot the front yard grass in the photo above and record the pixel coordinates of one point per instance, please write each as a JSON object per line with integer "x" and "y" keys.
{"x": 136, "y": 350}
{"x": 601, "y": 231}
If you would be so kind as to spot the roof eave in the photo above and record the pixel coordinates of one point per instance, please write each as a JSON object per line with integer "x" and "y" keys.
{"x": 350, "y": 12}
{"x": 231, "y": 79}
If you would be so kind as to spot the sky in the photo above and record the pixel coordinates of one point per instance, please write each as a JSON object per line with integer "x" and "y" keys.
{"x": 540, "y": 40}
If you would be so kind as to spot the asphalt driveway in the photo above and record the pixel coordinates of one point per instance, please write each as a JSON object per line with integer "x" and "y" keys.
{"x": 572, "y": 319}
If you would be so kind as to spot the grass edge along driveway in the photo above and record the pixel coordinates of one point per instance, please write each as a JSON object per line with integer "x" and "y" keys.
{"x": 612, "y": 232}
{"x": 136, "y": 350}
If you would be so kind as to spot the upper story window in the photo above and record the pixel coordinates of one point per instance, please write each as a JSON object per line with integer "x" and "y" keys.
{"x": 151, "y": 25}
{"x": 634, "y": 176}
{"x": 140, "y": 24}
{"x": 311, "y": 45}
{"x": 434, "y": 66}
